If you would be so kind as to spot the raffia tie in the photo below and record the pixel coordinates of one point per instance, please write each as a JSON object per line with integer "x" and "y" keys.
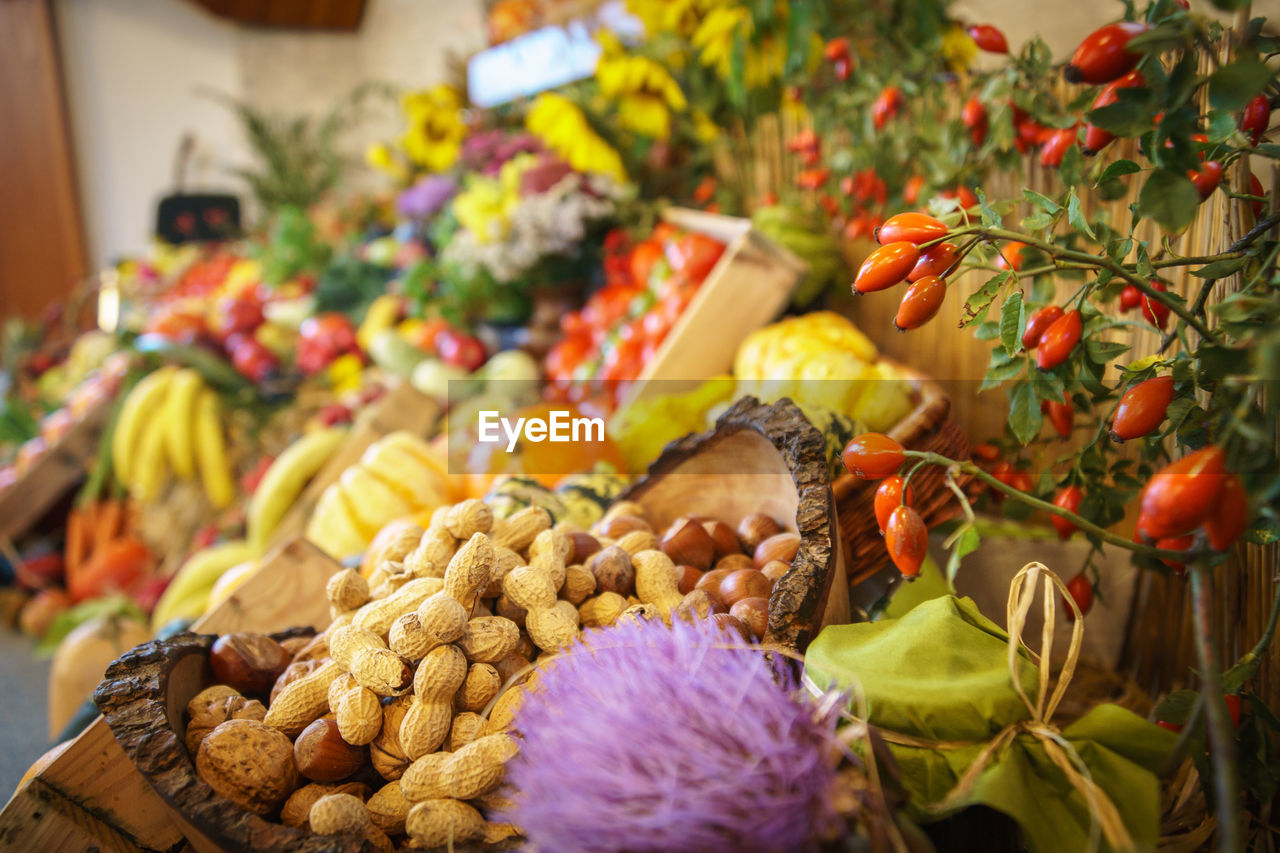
{"x": 1103, "y": 813}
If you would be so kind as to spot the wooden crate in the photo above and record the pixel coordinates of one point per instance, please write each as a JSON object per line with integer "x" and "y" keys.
{"x": 748, "y": 287}
{"x": 92, "y": 797}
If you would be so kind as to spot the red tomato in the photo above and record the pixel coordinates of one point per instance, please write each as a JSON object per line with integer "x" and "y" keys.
{"x": 1231, "y": 517}
{"x": 1081, "y": 591}
{"x": 886, "y": 266}
{"x": 1103, "y": 55}
{"x": 253, "y": 361}
{"x": 872, "y": 456}
{"x": 887, "y": 105}
{"x": 921, "y": 301}
{"x": 988, "y": 38}
{"x": 566, "y": 355}
{"x": 1058, "y": 341}
{"x": 643, "y": 258}
{"x": 695, "y": 255}
{"x": 1154, "y": 311}
{"x": 907, "y": 540}
{"x": 914, "y": 228}
{"x": 1142, "y": 408}
{"x": 1038, "y": 323}
{"x": 236, "y": 315}
{"x": 889, "y": 497}
{"x": 938, "y": 259}
{"x": 460, "y": 349}
{"x": 1068, "y": 498}
{"x": 1255, "y": 118}
{"x": 1183, "y": 494}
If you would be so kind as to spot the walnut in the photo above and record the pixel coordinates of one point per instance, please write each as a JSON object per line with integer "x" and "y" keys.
{"x": 208, "y": 715}
{"x": 249, "y": 763}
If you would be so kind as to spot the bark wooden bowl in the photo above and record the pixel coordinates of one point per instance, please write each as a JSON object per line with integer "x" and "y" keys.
{"x": 143, "y": 698}
{"x": 761, "y": 458}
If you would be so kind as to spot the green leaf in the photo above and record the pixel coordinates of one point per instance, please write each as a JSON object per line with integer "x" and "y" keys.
{"x": 1233, "y": 86}
{"x": 1157, "y": 40}
{"x": 1076, "y": 216}
{"x": 988, "y": 331}
{"x": 1037, "y": 222}
{"x": 965, "y": 544}
{"x": 1045, "y": 203}
{"x": 737, "y": 69}
{"x": 990, "y": 218}
{"x": 1103, "y": 352}
{"x": 1072, "y": 168}
{"x": 975, "y": 307}
{"x": 1024, "y": 413}
{"x": 1170, "y": 199}
{"x": 1124, "y": 117}
{"x": 1013, "y": 322}
{"x": 1220, "y": 269}
{"x": 1118, "y": 169}
{"x": 1221, "y": 125}
{"x": 1265, "y": 531}
{"x": 798, "y": 28}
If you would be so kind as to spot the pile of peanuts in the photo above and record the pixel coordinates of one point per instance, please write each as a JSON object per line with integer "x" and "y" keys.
{"x": 396, "y": 720}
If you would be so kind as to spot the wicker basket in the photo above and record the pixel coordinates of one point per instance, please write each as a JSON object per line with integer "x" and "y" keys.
{"x": 927, "y": 427}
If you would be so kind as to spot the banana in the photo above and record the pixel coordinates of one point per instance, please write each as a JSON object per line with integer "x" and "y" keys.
{"x": 139, "y": 408}
{"x": 380, "y": 316}
{"x": 178, "y": 417}
{"x": 211, "y": 453}
{"x": 188, "y": 592}
{"x": 286, "y": 478}
{"x": 149, "y": 470}
{"x": 331, "y": 528}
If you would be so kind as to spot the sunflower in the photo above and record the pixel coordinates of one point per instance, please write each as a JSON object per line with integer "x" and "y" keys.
{"x": 563, "y": 128}
{"x": 436, "y": 130}
{"x": 714, "y": 38}
{"x": 645, "y": 91}
{"x": 958, "y": 48}
{"x": 681, "y": 17}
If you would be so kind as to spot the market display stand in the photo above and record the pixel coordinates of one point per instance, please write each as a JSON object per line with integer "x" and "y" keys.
{"x": 58, "y": 470}
{"x": 91, "y": 797}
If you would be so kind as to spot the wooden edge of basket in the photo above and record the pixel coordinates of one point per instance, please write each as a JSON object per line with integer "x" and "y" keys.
{"x": 800, "y": 596}
{"x": 133, "y": 699}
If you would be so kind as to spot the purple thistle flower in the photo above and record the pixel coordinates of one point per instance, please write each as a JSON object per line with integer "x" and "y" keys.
{"x": 642, "y": 737}
{"x": 424, "y": 199}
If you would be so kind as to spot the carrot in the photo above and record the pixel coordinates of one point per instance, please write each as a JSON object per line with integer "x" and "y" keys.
{"x": 110, "y": 515}
{"x": 76, "y": 548}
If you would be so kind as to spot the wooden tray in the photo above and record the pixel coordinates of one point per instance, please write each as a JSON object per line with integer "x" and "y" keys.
{"x": 748, "y": 287}
{"x": 761, "y": 458}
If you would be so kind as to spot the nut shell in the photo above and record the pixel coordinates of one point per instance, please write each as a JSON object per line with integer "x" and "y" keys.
{"x": 249, "y": 763}
{"x": 321, "y": 755}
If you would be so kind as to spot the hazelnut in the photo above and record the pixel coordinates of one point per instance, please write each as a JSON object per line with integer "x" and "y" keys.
{"x": 687, "y": 578}
{"x": 298, "y": 806}
{"x": 688, "y": 543}
{"x": 321, "y": 754}
{"x": 249, "y": 763}
{"x": 756, "y": 528}
{"x": 293, "y": 645}
{"x": 733, "y": 562}
{"x": 744, "y": 583}
{"x": 698, "y": 604}
{"x": 752, "y": 612}
{"x": 584, "y": 545}
{"x": 780, "y": 546}
{"x": 710, "y": 581}
{"x": 292, "y": 673}
{"x": 725, "y": 540}
{"x": 250, "y": 663}
{"x": 775, "y": 569}
{"x": 613, "y": 571}
{"x": 617, "y": 526}
{"x": 728, "y": 622}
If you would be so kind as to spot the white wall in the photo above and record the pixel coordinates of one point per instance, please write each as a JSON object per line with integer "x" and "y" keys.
{"x": 133, "y": 68}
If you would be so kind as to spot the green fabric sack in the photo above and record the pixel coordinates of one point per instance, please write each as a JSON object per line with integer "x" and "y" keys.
{"x": 941, "y": 673}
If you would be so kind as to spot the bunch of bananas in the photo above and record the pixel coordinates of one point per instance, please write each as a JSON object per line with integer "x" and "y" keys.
{"x": 808, "y": 239}
{"x": 398, "y": 475}
{"x": 187, "y": 595}
{"x": 284, "y": 481}
{"x": 171, "y": 423}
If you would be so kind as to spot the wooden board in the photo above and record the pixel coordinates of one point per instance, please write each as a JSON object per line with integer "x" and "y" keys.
{"x": 61, "y": 468}
{"x": 401, "y": 408}
{"x": 91, "y": 797}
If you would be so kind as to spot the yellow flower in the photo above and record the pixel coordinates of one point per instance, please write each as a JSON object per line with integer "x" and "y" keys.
{"x": 721, "y": 27}
{"x": 704, "y": 129}
{"x": 344, "y": 373}
{"x": 379, "y": 156}
{"x": 563, "y": 128}
{"x": 645, "y": 91}
{"x": 681, "y": 17}
{"x": 482, "y": 209}
{"x": 958, "y": 49}
{"x": 436, "y": 130}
